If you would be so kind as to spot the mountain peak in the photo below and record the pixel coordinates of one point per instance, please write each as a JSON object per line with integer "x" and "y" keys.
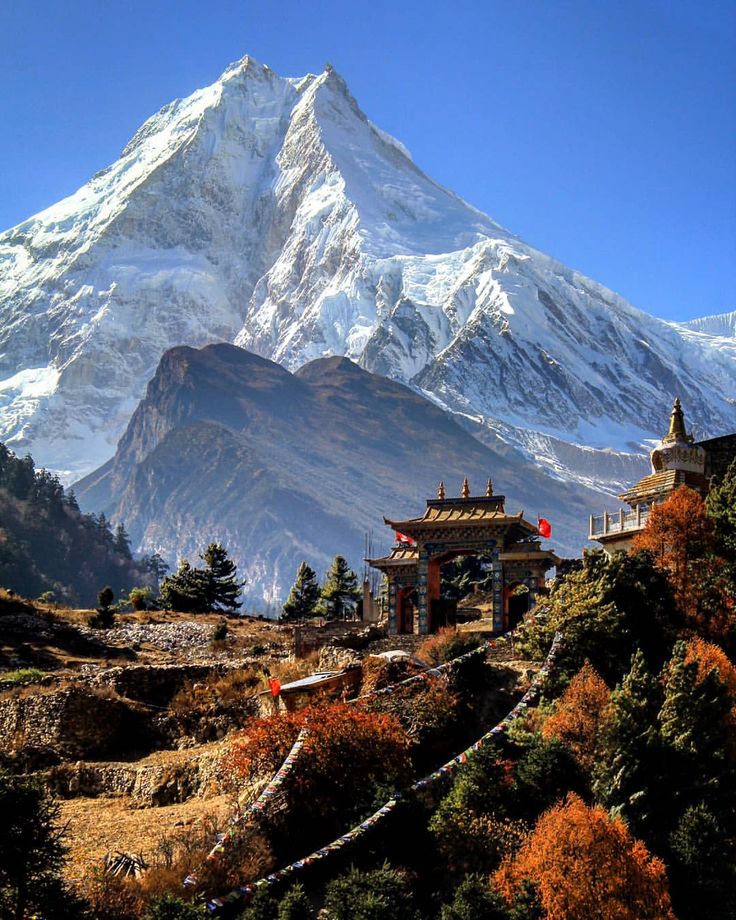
{"x": 271, "y": 213}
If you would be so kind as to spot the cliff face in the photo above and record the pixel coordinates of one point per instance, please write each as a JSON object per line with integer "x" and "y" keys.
{"x": 283, "y": 467}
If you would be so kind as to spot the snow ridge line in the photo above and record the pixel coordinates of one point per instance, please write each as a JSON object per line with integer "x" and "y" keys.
{"x": 447, "y": 769}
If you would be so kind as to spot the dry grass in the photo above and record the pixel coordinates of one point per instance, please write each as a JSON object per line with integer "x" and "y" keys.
{"x": 96, "y": 827}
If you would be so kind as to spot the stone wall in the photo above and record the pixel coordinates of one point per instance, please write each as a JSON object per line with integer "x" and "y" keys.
{"x": 71, "y": 722}
{"x": 155, "y": 781}
{"x": 158, "y": 685}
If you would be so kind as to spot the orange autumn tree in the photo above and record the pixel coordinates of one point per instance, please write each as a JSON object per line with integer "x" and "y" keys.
{"x": 709, "y": 656}
{"x": 585, "y": 864}
{"x": 579, "y": 715}
{"x": 681, "y": 538}
{"x": 348, "y": 756}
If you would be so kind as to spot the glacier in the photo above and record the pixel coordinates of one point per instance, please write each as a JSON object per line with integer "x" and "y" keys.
{"x": 272, "y": 213}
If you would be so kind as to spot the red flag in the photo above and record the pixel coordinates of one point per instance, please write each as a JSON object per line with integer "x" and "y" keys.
{"x": 544, "y": 528}
{"x": 402, "y": 538}
{"x": 275, "y": 686}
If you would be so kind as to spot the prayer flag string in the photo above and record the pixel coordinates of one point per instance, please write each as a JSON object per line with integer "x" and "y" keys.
{"x": 246, "y": 891}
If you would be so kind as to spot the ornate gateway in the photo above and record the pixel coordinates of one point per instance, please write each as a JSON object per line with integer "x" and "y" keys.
{"x": 453, "y": 527}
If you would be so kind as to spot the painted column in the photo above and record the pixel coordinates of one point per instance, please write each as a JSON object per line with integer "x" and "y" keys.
{"x": 497, "y": 573}
{"x": 392, "y": 595}
{"x": 422, "y": 591}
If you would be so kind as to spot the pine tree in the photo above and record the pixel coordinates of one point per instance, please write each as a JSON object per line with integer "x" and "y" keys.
{"x": 220, "y": 577}
{"x": 474, "y": 899}
{"x": 721, "y": 508}
{"x": 340, "y": 591}
{"x": 704, "y": 877}
{"x": 627, "y": 776}
{"x": 697, "y": 731}
{"x": 304, "y": 595}
{"x": 121, "y": 541}
{"x": 185, "y": 590}
{"x": 156, "y": 565}
{"x": 295, "y": 905}
{"x": 32, "y": 853}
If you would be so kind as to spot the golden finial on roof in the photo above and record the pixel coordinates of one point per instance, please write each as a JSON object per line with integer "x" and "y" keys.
{"x": 441, "y": 491}
{"x": 466, "y": 488}
{"x": 489, "y": 489}
{"x": 677, "y": 430}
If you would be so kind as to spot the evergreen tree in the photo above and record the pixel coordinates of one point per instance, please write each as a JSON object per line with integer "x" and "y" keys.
{"x": 184, "y": 590}
{"x": 721, "y": 508}
{"x": 121, "y": 541}
{"x": 475, "y": 900}
{"x": 628, "y": 772}
{"x": 195, "y": 590}
{"x": 378, "y": 894}
{"x": 340, "y": 591}
{"x": 262, "y": 906}
{"x": 697, "y": 731}
{"x": 167, "y": 907}
{"x": 704, "y": 878}
{"x": 220, "y": 578}
{"x": 295, "y": 905}
{"x": 31, "y": 853}
{"x": 156, "y": 565}
{"x": 304, "y": 595}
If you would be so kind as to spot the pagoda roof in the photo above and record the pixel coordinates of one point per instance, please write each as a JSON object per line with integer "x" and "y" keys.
{"x": 475, "y": 511}
{"x": 662, "y": 483}
{"x": 402, "y": 554}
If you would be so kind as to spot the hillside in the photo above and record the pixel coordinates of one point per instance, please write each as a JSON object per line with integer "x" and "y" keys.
{"x": 47, "y": 544}
{"x": 282, "y": 467}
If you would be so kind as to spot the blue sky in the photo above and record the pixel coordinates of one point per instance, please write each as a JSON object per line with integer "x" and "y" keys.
{"x": 603, "y": 133}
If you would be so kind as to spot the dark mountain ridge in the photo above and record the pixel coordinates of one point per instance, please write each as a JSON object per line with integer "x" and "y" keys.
{"x": 283, "y": 467}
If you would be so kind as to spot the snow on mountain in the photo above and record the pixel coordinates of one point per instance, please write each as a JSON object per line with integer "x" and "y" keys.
{"x": 722, "y": 324}
{"x": 271, "y": 212}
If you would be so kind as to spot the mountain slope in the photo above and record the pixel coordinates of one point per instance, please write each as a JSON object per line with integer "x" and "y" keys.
{"x": 722, "y": 324}
{"x": 272, "y": 213}
{"x": 283, "y": 467}
{"x": 46, "y": 544}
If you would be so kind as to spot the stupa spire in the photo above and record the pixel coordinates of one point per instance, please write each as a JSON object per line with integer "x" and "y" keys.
{"x": 441, "y": 491}
{"x": 677, "y": 431}
{"x": 489, "y": 489}
{"x": 466, "y": 488}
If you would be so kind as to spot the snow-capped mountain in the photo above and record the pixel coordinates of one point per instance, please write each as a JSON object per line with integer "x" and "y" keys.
{"x": 722, "y": 324}
{"x": 272, "y": 213}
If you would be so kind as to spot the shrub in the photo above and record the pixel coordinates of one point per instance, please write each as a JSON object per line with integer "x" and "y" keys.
{"x": 111, "y": 897}
{"x": 219, "y": 634}
{"x": 379, "y": 894}
{"x": 427, "y": 711}
{"x": 168, "y": 907}
{"x": 446, "y": 644}
{"x": 474, "y": 900}
{"x": 23, "y": 676}
{"x": 140, "y": 598}
{"x": 348, "y": 755}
